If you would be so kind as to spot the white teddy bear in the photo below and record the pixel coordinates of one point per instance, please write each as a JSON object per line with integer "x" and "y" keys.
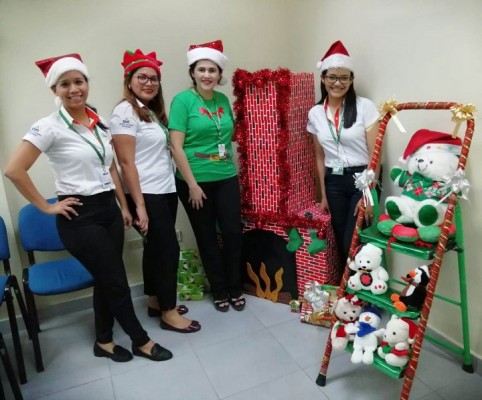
{"x": 399, "y": 335}
{"x": 432, "y": 158}
{"x": 369, "y": 274}
{"x": 367, "y": 335}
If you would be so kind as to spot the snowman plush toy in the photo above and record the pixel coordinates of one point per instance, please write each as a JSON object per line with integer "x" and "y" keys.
{"x": 431, "y": 159}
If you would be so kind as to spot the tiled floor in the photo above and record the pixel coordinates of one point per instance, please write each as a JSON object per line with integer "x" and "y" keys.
{"x": 261, "y": 353}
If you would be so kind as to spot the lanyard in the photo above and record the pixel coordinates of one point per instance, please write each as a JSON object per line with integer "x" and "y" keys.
{"x": 338, "y": 125}
{"x": 164, "y": 129}
{"x": 71, "y": 127}
{"x": 217, "y": 121}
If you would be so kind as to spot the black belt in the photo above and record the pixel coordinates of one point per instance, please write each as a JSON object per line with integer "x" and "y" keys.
{"x": 348, "y": 170}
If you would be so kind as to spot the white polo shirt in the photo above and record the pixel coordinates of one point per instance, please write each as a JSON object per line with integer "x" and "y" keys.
{"x": 153, "y": 159}
{"x": 76, "y": 166}
{"x": 353, "y": 149}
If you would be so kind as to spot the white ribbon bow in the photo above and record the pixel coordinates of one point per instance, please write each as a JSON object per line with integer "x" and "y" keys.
{"x": 363, "y": 181}
{"x": 457, "y": 183}
{"x": 316, "y": 296}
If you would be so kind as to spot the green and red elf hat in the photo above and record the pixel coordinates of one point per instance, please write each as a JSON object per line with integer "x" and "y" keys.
{"x": 137, "y": 59}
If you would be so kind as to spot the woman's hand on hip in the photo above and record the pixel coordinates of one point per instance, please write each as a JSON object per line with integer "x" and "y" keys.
{"x": 64, "y": 207}
{"x": 196, "y": 197}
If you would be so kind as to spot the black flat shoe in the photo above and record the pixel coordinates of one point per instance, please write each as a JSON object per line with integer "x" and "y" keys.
{"x": 119, "y": 354}
{"x": 194, "y": 326}
{"x": 158, "y": 353}
{"x": 155, "y": 312}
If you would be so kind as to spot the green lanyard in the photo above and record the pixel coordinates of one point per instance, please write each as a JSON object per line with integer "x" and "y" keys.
{"x": 156, "y": 120}
{"x": 71, "y": 127}
{"x": 217, "y": 122}
{"x": 337, "y": 137}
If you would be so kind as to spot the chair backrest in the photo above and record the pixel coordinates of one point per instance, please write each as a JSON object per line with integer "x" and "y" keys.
{"x": 38, "y": 231}
{"x": 4, "y": 249}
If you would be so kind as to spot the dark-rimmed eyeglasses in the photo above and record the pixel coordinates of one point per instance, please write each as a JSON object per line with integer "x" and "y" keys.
{"x": 143, "y": 79}
{"x": 333, "y": 78}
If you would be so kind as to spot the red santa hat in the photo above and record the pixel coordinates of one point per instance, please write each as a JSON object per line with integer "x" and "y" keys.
{"x": 54, "y": 67}
{"x": 412, "y": 329}
{"x": 432, "y": 142}
{"x": 354, "y": 300}
{"x": 212, "y": 51}
{"x": 137, "y": 59}
{"x": 336, "y": 57}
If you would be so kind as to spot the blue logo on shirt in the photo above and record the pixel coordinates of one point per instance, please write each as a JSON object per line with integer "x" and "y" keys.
{"x": 34, "y": 130}
{"x": 126, "y": 123}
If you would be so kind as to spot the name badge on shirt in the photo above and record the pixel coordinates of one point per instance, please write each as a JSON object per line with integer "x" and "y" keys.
{"x": 337, "y": 167}
{"x": 222, "y": 150}
{"x": 105, "y": 178}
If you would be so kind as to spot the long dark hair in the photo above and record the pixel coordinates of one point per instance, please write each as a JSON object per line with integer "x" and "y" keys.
{"x": 349, "y": 112}
{"x": 156, "y": 105}
{"x": 191, "y": 72}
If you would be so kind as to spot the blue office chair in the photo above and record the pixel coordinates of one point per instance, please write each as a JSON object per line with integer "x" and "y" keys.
{"x": 38, "y": 233}
{"x": 17, "y": 393}
{"x": 8, "y": 282}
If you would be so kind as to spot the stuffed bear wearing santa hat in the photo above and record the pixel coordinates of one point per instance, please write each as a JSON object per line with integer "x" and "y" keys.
{"x": 399, "y": 335}
{"x": 432, "y": 158}
{"x": 346, "y": 310}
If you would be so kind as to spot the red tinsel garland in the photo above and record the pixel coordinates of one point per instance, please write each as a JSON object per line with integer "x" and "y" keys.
{"x": 282, "y": 80}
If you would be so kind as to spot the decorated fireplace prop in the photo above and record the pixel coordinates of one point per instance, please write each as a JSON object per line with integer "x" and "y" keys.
{"x": 277, "y": 173}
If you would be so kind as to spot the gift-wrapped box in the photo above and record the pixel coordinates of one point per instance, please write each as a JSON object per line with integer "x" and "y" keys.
{"x": 317, "y": 304}
{"x": 192, "y": 283}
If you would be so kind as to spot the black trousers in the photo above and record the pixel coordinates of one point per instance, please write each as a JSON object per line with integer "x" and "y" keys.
{"x": 160, "y": 259}
{"x": 96, "y": 238}
{"x": 343, "y": 196}
{"x": 222, "y": 206}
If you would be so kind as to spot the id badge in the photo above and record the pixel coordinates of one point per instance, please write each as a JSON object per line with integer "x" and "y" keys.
{"x": 105, "y": 178}
{"x": 337, "y": 168}
{"x": 222, "y": 150}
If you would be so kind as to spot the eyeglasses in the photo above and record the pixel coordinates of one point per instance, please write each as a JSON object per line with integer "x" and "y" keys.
{"x": 333, "y": 78}
{"x": 143, "y": 79}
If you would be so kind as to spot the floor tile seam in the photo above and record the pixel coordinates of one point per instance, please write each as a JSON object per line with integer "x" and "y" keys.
{"x": 206, "y": 375}
{"x": 207, "y": 346}
{"x": 46, "y": 395}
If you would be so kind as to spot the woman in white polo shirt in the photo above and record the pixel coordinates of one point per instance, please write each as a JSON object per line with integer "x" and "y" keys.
{"x": 138, "y": 126}
{"x": 344, "y": 128}
{"x": 89, "y": 221}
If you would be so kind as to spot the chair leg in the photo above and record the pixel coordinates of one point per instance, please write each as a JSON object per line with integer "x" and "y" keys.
{"x": 15, "y": 337}
{"x": 9, "y": 370}
{"x": 31, "y": 311}
{"x": 21, "y": 304}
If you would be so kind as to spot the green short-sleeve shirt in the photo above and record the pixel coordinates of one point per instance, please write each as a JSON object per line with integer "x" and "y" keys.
{"x": 197, "y": 119}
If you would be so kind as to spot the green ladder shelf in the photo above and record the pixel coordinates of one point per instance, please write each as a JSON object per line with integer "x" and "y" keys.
{"x": 433, "y": 253}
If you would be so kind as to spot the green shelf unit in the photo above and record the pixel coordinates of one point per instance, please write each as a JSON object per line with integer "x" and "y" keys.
{"x": 380, "y": 364}
{"x": 383, "y": 301}
{"x": 372, "y": 235}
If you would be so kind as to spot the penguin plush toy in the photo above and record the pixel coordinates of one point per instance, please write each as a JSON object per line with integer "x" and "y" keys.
{"x": 413, "y": 295}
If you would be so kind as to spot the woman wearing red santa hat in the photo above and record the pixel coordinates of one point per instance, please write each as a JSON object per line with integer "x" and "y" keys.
{"x": 139, "y": 130}
{"x": 201, "y": 128}
{"x": 89, "y": 221}
{"x": 344, "y": 126}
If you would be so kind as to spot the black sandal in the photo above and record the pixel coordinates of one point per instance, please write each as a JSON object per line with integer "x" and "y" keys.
{"x": 221, "y": 305}
{"x": 238, "y": 303}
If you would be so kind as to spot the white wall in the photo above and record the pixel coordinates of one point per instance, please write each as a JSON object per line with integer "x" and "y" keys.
{"x": 410, "y": 50}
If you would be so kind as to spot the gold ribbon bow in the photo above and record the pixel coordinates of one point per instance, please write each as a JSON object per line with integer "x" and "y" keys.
{"x": 461, "y": 113}
{"x": 390, "y": 106}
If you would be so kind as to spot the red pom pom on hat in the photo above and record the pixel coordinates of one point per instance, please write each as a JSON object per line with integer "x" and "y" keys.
{"x": 432, "y": 141}
{"x": 336, "y": 57}
{"x": 137, "y": 59}
{"x": 53, "y": 68}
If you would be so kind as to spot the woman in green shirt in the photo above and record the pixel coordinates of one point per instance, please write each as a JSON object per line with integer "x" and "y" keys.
{"x": 201, "y": 128}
